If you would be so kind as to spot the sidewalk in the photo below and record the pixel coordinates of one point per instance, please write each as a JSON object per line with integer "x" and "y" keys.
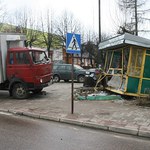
{"x": 117, "y": 116}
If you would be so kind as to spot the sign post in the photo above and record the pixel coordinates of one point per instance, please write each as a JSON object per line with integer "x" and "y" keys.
{"x": 72, "y": 86}
{"x": 73, "y": 44}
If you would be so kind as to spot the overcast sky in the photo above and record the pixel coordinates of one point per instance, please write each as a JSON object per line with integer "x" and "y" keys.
{"x": 86, "y": 11}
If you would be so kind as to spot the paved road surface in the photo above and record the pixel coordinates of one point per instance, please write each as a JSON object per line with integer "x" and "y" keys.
{"x": 119, "y": 115}
{"x": 21, "y": 133}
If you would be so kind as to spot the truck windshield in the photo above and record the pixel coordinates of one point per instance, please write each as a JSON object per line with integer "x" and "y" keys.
{"x": 39, "y": 57}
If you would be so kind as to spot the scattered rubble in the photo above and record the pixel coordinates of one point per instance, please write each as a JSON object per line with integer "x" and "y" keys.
{"x": 89, "y": 93}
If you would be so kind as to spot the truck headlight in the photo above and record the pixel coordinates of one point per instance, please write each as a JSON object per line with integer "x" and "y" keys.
{"x": 41, "y": 80}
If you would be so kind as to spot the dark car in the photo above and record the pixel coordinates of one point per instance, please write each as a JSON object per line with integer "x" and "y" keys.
{"x": 64, "y": 72}
{"x": 91, "y": 77}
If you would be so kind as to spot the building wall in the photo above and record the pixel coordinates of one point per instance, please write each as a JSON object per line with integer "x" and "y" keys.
{"x": 85, "y": 62}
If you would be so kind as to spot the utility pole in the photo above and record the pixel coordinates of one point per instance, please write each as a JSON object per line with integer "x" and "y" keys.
{"x": 99, "y": 14}
{"x": 136, "y": 19}
{"x": 100, "y": 33}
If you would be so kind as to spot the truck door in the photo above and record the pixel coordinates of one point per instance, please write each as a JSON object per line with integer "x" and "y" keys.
{"x": 10, "y": 63}
{"x": 18, "y": 66}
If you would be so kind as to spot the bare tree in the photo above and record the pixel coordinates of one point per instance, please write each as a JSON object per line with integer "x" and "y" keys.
{"x": 20, "y": 19}
{"x": 67, "y": 23}
{"x": 132, "y": 15}
{"x": 32, "y": 31}
{"x": 47, "y": 25}
{"x": 3, "y": 14}
{"x": 90, "y": 45}
{"x": 25, "y": 23}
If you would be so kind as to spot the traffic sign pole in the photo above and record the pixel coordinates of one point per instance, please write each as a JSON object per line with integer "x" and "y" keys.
{"x": 72, "y": 87}
{"x": 73, "y": 44}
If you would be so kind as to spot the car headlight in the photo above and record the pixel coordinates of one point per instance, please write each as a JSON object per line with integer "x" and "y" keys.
{"x": 87, "y": 72}
{"x": 92, "y": 75}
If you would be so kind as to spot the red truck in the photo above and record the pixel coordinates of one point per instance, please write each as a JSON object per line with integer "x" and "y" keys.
{"x": 22, "y": 70}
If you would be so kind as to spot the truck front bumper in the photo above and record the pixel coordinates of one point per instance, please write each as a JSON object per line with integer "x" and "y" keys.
{"x": 32, "y": 86}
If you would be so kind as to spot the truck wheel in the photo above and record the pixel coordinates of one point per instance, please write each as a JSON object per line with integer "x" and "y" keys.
{"x": 37, "y": 91}
{"x": 81, "y": 78}
{"x": 56, "y": 78}
{"x": 19, "y": 91}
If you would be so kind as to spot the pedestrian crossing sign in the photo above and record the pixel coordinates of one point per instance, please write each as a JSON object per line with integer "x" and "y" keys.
{"x": 73, "y": 43}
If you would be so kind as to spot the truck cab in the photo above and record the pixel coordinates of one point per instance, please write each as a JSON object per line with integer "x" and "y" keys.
{"x": 23, "y": 70}
{"x": 27, "y": 70}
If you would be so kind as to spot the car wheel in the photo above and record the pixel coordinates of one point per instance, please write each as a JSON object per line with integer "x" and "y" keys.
{"x": 56, "y": 78}
{"x": 19, "y": 91}
{"x": 81, "y": 78}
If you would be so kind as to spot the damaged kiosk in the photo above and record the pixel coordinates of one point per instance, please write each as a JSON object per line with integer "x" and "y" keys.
{"x": 127, "y": 65}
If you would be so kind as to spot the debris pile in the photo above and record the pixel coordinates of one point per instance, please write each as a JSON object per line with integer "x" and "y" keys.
{"x": 90, "y": 94}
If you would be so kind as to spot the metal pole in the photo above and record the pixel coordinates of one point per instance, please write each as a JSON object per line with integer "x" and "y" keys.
{"x": 72, "y": 86}
{"x": 136, "y": 19}
{"x": 100, "y": 34}
{"x": 99, "y": 15}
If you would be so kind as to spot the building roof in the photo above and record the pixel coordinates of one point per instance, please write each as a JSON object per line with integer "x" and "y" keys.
{"x": 123, "y": 40}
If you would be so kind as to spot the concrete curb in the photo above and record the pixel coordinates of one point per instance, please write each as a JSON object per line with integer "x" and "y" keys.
{"x": 94, "y": 125}
{"x": 124, "y": 130}
{"x": 71, "y": 121}
{"x": 144, "y": 133}
{"x": 50, "y": 118}
{"x": 31, "y": 115}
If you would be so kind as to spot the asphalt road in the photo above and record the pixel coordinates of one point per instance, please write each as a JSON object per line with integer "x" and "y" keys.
{"x": 21, "y": 133}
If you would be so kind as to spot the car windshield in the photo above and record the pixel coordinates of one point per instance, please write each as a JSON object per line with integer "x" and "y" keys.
{"x": 78, "y": 67}
{"x": 38, "y": 56}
